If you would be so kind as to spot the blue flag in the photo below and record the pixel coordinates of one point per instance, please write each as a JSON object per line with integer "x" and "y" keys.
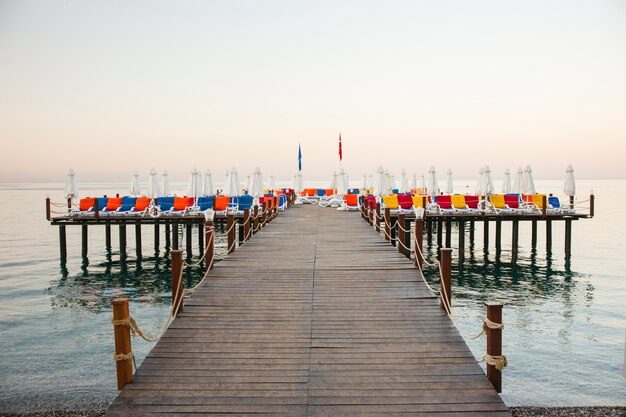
{"x": 299, "y": 158}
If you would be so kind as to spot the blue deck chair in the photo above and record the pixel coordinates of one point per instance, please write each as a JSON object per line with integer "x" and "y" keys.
{"x": 282, "y": 202}
{"x": 245, "y": 202}
{"x": 128, "y": 204}
{"x": 555, "y": 206}
{"x": 233, "y": 204}
{"x": 102, "y": 204}
{"x": 165, "y": 203}
{"x": 205, "y": 203}
{"x": 320, "y": 192}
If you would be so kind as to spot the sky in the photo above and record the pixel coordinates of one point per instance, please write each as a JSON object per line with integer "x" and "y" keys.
{"x": 112, "y": 87}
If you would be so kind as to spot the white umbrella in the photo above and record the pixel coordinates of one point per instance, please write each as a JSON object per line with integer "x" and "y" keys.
{"x": 272, "y": 185}
{"x": 364, "y": 182}
{"x": 165, "y": 184}
{"x": 404, "y": 186}
{"x": 481, "y": 179}
{"x": 257, "y": 184}
{"x": 449, "y": 182}
{"x": 414, "y": 182}
{"x": 248, "y": 183}
{"x": 370, "y": 181}
{"x": 333, "y": 181}
{"x": 423, "y": 182}
{"x": 506, "y": 184}
{"x": 528, "y": 185}
{"x": 391, "y": 181}
{"x": 342, "y": 182}
{"x": 234, "y": 188}
{"x": 569, "y": 188}
{"x": 153, "y": 185}
{"x": 226, "y": 189}
{"x": 433, "y": 185}
{"x": 485, "y": 183}
{"x": 297, "y": 182}
{"x": 207, "y": 186}
{"x": 517, "y": 181}
{"x": 381, "y": 188}
{"x": 71, "y": 188}
{"x": 135, "y": 186}
{"x": 194, "y": 186}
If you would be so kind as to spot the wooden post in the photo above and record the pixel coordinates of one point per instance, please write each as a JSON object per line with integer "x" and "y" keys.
{"x": 472, "y": 228}
{"x": 63, "y": 243}
{"x": 138, "y": 238}
{"x": 168, "y": 237}
{"x": 544, "y": 205}
{"x": 419, "y": 241}
{"x": 209, "y": 237}
{"x": 461, "y": 241}
{"x": 240, "y": 235}
{"x": 122, "y": 240}
{"x": 387, "y": 224}
{"x": 533, "y": 233}
{"x": 246, "y": 224}
{"x": 400, "y": 225}
{"x": 448, "y": 233}
{"x": 568, "y": 238}
{"x": 486, "y": 234}
{"x": 377, "y": 217}
{"x": 429, "y": 232}
{"x": 407, "y": 238}
{"x": 255, "y": 222}
{"x": 177, "y": 285}
{"x": 200, "y": 239}
{"x": 231, "y": 232}
{"x": 446, "y": 277}
{"x": 84, "y": 228}
{"x": 122, "y": 342}
{"x": 264, "y": 214}
{"x": 157, "y": 237}
{"x": 69, "y": 204}
{"x": 494, "y": 344}
{"x": 498, "y": 235}
{"x": 394, "y": 230}
{"x": 549, "y": 236}
{"x": 514, "y": 240}
{"x": 188, "y": 239}
{"x": 48, "y": 208}
{"x": 439, "y": 237}
{"x": 107, "y": 236}
{"x": 96, "y": 209}
{"x": 592, "y": 205}
{"x": 175, "y": 236}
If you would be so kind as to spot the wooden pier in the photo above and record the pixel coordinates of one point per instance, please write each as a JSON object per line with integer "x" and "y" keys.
{"x": 315, "y": 316}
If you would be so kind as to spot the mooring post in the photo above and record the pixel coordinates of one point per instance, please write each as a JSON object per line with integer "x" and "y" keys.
{"x": 138, "y": 238}
{"x": 533, "y": 233}
{"x": 592, "y": 205}
{"x": 48, "y": 208}
{"x": 514, "y": 240}
{"x": 230, "y": 227}
{"x": 549, "y": 236}
{"x": 446, "y": 278}
{"x": 419, "y": 241}
{"x": 568, "y": 238}
{"x": 122, "y": 240}
{"x": 123, "y": 349}
{"x": 498, "y": 235}
{"x": 255, "y": 222}
{"x": 494, "y": 344}
{"x": 177, "y": 283}
{"x": 157, "y": 236}
{"x": 246, "y": 224}
{"x": 84, "y": 228}
{"x": 63, "y": 243}
{"x": 387, "y": 224}
{"x": 209, "y": 237}
{"x": 461, "y": 241}
{"x": 400, "y": 226}
{"x": 378, "y": 217}
{"x": 448, "y": 233}
{"x": 188, "y": 239}
{"x": 486, "y": 234}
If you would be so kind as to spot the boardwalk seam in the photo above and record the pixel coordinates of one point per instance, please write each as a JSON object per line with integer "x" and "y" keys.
{"x": 308, "y": 385}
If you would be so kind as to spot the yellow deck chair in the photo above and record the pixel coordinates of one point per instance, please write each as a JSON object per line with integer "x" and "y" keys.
{"x": 497, "y": 203}
{"x": 458, "y": 203}
{"x": 418, "y": 201}
{"x": 391, "y": 202}
{"x": 538, "y": 202}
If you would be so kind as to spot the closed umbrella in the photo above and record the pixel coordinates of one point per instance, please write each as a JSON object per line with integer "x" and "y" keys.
{"x": 423, "y": 182}
{"x": 517, "y": 181}
{"x": 235, "y": 185}
{"x": 391, "y": 181}
{"x": 569, "y": 188}
{"x": 433, "y": 185}
{"x": 528, "y": 184}
{"x": 342, "y": 182}
{"x": 333, "y": 181}
{"x": 403, "y": 183}
{"x": 272, "y": 185}
{"x": 135, "y": 186}
{"x": 485, "y": 183}
{"x": 71, "y": 188}
{"x": 297, "y": 183}
{"x": 248, "y": 183}
{"x": 414, "y": 182}
{"x": 364, "y": 182}
{"x": 257, "y": 184}
{"x": 207, "y": 186}
{"x": 490, "y": 189}
{"x": 506, "y": 184}
{"x": 153, "y": 185}
{"x": 194, "y": 186}
{"x": 227, "y": 183}
{"x": 165, "y": 184}
{"x": 449, "y": 182}
{"x": 381, "y": 188}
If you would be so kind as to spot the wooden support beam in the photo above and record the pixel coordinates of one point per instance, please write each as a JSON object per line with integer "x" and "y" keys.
{"x": 84, "y": 240}
{"x": 246, "y": 224}
{"x": 255, "y": 222}
{"x": 200, "y": 239}
{"x": 446, "y": 277}
{"x": 448, "y": 233}
{"x": 175, "y": 236}
{"x": 63, "y": 243}
{"x": 189, "y": 239}
{"x": 122, "y": 230}
{"x": 399, "y": 226}
{"x": 138, "y": 238}
{"x": 439, "y": 237}
{"x": 407, "y": 238}
{"x": 498, "y": 235}
{"x": 494, "y": 344}
{"x": 394, "y": 230}
{"x": 514, "y": 240}
{"x": 177, "y": 281}
{"x": 107, "y": 236}
{"x": 240, "y": 232}
{"x": 486, "y": 235}
{"x": 472, "y": 229}
{"x": 549, "y": 236}
{"x": 461, "y": 241}
{"x": 429, "y": 232}
{"x": 124, "y": 366}
{"x": 568, "y": 238}
{"x": 533, "y": 233}
{"x": 168, "y": 236}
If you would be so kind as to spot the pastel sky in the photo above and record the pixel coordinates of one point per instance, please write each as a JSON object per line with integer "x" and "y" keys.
{"x": 110, "y": 87}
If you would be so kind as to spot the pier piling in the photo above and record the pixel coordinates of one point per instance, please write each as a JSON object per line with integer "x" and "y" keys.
{"x": 448, "y": 233}
{"x": 177, "y": 285}
{"x": 168, "y": 239}
{"x": 498, "y": 235}
{"x": 122, "y": 240}
{"x": 461, "y": 241}
{"x": 188, "y": 239}
{"x": 123, "y": 349}
{"x": 231, "y": 232}
{"x": 533, "y": 233}
{"x": 175, "y": 236}
{"x": 486, "y": 235}
{"x": 568, "y": 238}
{"x": 63, "y": 243}
{"x": 514, "y": 240}
{"x": 549, "y": 236}
{"x": 494, "y": 344}
{"x": 446, "y": 277}
{"x": 85, "y": 230}
{"x": 138, "y": 249}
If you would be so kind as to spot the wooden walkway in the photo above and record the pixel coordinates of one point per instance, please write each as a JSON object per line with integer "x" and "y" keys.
{"x": 315, "y": 316}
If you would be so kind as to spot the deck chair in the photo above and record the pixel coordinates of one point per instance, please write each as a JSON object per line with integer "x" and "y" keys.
{"x": 515, "y": 203}
{"x": 142, "y": 204}
{"x": 537, "y": 203}
{"x": 128, "y": 203}
{"x": 85, "y": 206}
{"x": 113, "y": 204}
{"x": 245, "y": 202}
{"x": 472, "y": 202}
{"x": 498, "y": 205}
{"x": 351, "y": 202}
{"x": 459, "y": 204}
{"x": 555, "y": 206}
{"x": 220, "y": 204}
{"x": 444, "y": 204}
{"x": 165, "y": 203}
{"x": 233, "y": 204}
{"x": 282, "y": 202}
{"x": 204, "y": 203}
{"x": 320, "y": 192}
{"x": 391, "y": 202}
{"x": 181, "y": 207}
{"x": 405, "y": 203}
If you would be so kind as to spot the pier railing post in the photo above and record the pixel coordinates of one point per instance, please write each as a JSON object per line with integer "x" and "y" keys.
{"x": 544, "y": 205}
{"x": 177, "y": 285}
{"x": 494, "y": 344}
{"x": 48, "y": 208}
{"x": 387, "y": 224}
{"x": 377, "y": 217}
{"x": 419, "y": 241}
{"x": 401, "y": 240}
{"x": 209, "y": 238}
{"x": 230, "y": 228}
{"x": 69, "y": 204}
{"x": 446, "y": 278}
{"x": 123, "y": 349}
{"x": 246, "y": 224}
{"x": 255, "y": 223}
{"x": 592, "y": 201}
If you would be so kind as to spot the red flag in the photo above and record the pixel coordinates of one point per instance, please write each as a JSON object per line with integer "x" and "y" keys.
{"x": 340, "y": 155}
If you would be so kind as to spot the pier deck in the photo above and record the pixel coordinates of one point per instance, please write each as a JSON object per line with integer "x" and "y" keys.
{"x": 315, "y": 316}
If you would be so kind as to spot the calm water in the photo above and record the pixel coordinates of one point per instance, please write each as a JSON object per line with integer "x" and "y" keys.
{"x": 565, "y": 320}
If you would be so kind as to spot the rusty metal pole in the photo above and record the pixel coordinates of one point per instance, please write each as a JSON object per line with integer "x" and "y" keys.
{"x": 177, "y": 285}
{"x": 122, "y": 342}
{"x": 446, "y": 277}
{"x": 494, "y": 344}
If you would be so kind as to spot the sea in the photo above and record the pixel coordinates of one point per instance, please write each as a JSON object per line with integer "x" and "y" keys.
{"x": 565, "y": 318}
